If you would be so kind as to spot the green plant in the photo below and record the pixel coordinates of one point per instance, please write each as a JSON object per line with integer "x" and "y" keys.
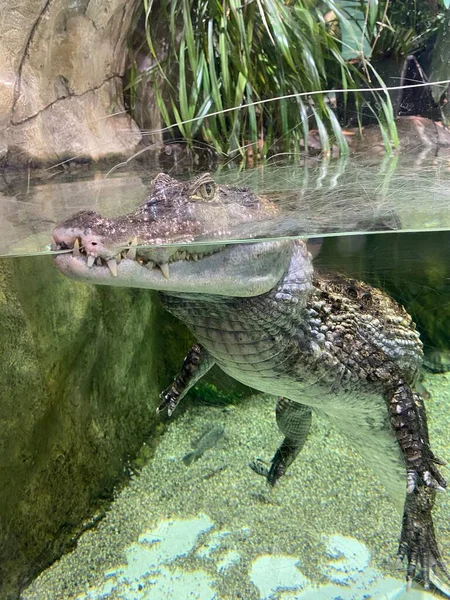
{"x": 407, "y": 26}
{"x": 247, "y": 76}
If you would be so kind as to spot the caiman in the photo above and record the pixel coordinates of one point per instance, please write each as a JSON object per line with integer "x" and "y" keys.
{"x": 320, "y": 342}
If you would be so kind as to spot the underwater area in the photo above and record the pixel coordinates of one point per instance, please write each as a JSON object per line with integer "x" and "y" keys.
{"x": 224, "y": 300}
{"x": 103, "y": 498}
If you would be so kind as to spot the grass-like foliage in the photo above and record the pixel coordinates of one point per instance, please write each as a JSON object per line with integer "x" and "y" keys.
{"x": 226, "y": 59}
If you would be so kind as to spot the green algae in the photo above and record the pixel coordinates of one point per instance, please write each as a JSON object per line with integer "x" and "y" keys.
{"x": 79, "y": 379}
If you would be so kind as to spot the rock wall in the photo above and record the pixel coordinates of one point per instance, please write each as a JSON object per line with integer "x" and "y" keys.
{"x": 80, "y": 373}
{"x": 61, "y": 67}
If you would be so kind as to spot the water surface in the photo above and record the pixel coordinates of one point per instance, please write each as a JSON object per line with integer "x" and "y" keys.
{"x": 319, "y": 198}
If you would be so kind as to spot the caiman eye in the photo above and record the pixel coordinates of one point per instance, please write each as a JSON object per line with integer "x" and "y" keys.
{"x": 207, "y": 190}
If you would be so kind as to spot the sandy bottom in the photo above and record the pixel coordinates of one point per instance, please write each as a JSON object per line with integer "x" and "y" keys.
{"x": 212, "y": 531}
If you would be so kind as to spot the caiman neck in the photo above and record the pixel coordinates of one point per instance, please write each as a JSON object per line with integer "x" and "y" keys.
{"x": 287, "y": 276}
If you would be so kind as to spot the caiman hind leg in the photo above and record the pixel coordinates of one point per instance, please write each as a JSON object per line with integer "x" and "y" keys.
{"x": 198, "y": 361}
{"x": 422, "y": 415}
{"x": 418, "y": 540}
{"x": 294, "y": 422}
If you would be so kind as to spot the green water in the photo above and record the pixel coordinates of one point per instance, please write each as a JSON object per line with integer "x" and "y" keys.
{"x": 81, "y": 369}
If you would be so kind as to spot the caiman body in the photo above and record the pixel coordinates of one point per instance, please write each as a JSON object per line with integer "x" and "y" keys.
{"x": 318, "y": 341}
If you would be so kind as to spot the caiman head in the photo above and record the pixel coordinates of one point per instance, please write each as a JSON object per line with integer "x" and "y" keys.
{"x": 176, "y": 242}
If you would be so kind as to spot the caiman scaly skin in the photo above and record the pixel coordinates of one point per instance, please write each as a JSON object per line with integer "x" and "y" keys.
{"x": 320, "y": 342}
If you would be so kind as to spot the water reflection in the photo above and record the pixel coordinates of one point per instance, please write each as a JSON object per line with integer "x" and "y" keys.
{"x": 350, "y": 195}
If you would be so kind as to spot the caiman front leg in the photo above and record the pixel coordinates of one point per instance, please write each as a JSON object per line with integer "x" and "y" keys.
{"x": 198, "y": 361}
{"x": 294, "y": 421}
{"x": 418, "y": 541}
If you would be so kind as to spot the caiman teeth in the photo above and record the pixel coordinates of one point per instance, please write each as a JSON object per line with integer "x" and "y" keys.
{"x": 132, "y": 251}
{"x": 112, "y": 266}
{"x": 76, "y": 248}
{"x": 165, "y": 269}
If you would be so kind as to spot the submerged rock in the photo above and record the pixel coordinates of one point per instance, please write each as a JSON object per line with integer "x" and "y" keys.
{"x": 79, "y": 382}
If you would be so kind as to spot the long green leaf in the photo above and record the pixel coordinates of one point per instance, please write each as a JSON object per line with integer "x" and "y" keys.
{"x": 252, "y": 115}
{"x": 278, "y": 16}
{"x": 189, "y": 36}
{"x": 384, "y": 132}
{"x": 223, "y": 54}
{"x": 184, "y": 103}
{"x": 387, "y": 108}
{"x": 338, "y": 133}
{"x": 216, "y": 93}
{"x": 305, "y": 123}
{"x": 323, "y": 134}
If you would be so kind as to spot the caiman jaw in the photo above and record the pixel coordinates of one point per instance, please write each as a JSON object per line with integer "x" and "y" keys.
{"x": 228, "y": 270}
{"x": 95, "y": 254}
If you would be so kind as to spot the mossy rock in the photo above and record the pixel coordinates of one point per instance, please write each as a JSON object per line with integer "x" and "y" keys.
{"x": 80, "y": 373}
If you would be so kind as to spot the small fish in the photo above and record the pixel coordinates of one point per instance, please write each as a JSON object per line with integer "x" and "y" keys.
{"x": 207, "y": 440}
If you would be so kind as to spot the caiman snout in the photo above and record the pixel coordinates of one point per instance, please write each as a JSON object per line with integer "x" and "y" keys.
{"x": 91, "y": 247}
{"x": 95, "y": 251}
{"x": 92, "y": 244}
